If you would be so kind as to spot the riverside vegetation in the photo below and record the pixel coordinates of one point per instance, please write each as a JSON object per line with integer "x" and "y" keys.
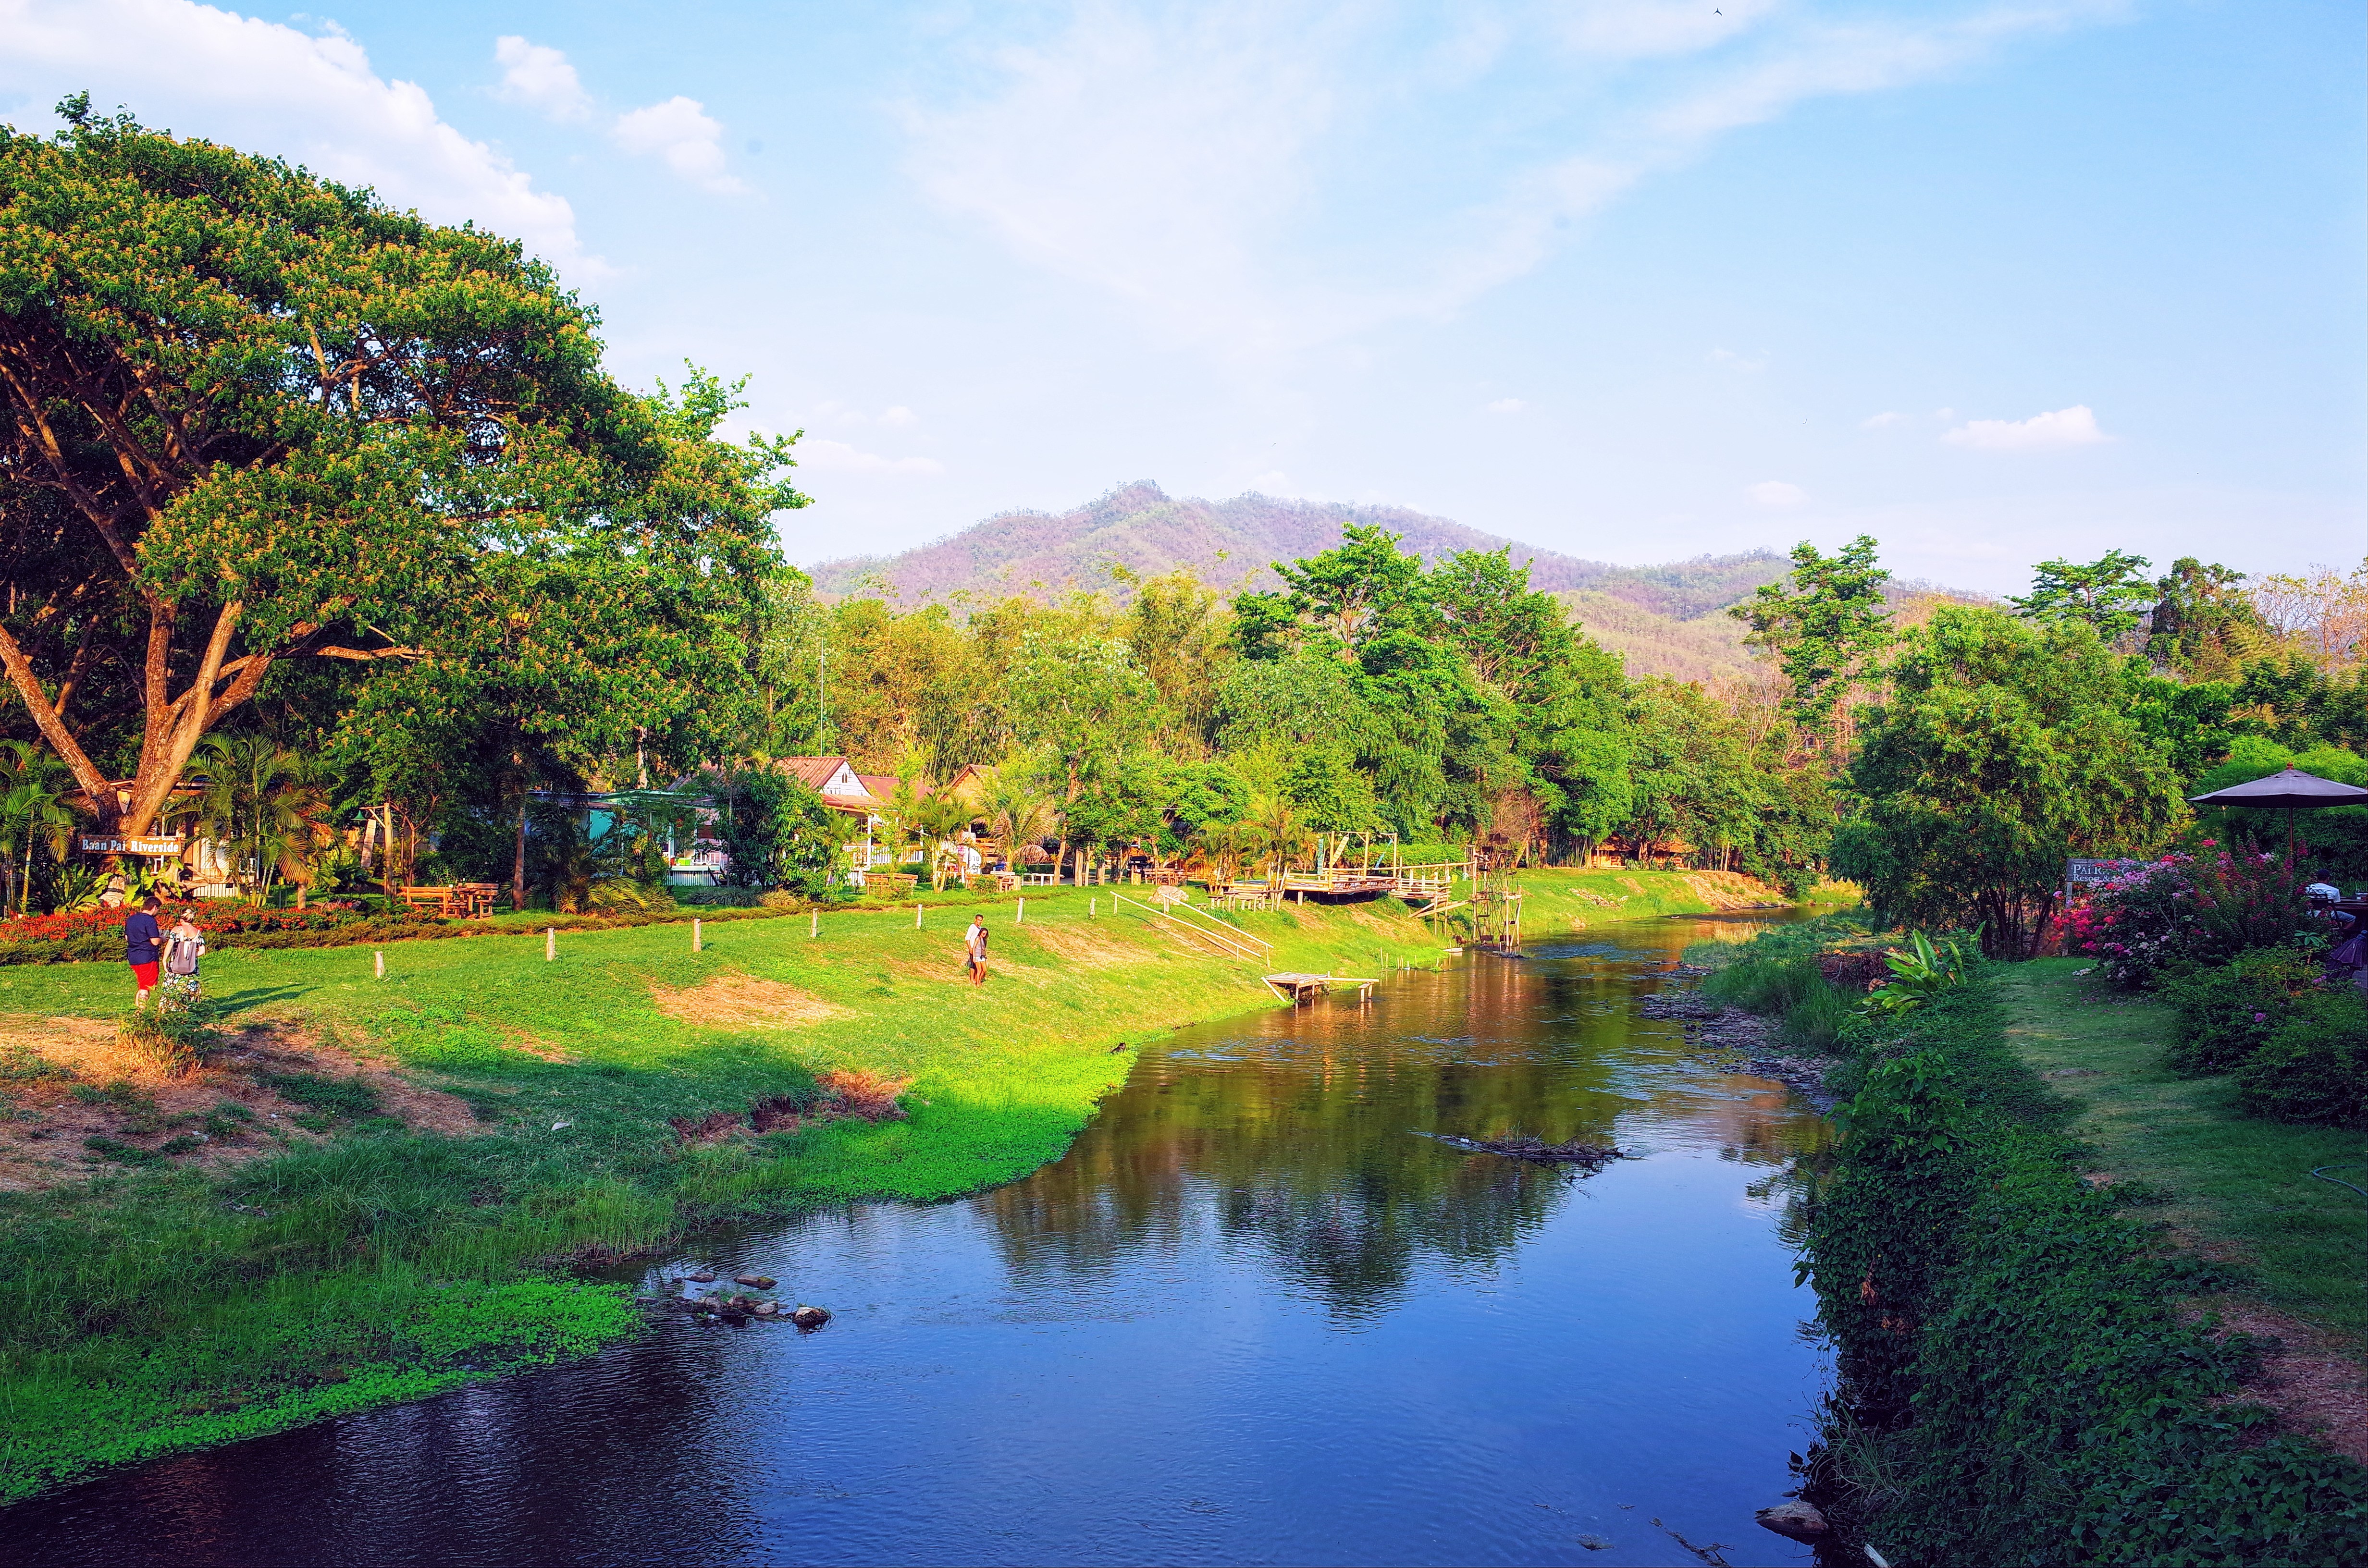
{"x": 2026, "y": 1286}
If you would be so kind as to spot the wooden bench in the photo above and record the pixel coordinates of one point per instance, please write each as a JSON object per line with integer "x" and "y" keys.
{"x": 476, "y": 898}
{"x": 438, "y": 899}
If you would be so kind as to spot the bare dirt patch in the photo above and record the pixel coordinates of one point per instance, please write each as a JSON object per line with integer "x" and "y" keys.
{"x": 1732, "y": 889}
{"x": 2318, "y": 1391}
{"x": 1082, "y": 947}
{"x": 744, "y": 1002}
{"x": 65, "y": 1082}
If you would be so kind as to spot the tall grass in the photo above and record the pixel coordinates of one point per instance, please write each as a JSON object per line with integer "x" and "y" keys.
{"x": 1776, "y": 976}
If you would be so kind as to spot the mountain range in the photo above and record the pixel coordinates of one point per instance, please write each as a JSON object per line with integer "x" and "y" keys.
{"x": 1663, "y": 620}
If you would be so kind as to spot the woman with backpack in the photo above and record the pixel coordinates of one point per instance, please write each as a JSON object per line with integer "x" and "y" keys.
{"x": 184, "y": 946}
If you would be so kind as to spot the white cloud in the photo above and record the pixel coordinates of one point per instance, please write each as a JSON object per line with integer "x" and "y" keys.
{"x": 680, "y": 132}
{"x": 1877, "y": 421}
{"x": 1776, "y": 492}
{"x": 898, "y": 416}
{"x": 1214, "y": 164}
{"x": 540, "y": 78}
{"x": 1735, "y": 361}
{"x": 2073, "y": 427}
{"x": 267, "y": 87}
{"x": 837, "y": 457}
{"x": 1504, "y": 405}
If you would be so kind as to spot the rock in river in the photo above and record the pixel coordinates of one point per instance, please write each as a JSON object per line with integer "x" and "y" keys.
{"x": 809, "y": 1317}
{"x": 1796, "y": 1519}
{"x": 759, "y": 1281}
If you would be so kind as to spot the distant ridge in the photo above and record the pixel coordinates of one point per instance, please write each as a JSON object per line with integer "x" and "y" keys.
{"x": 1661, "y": 620}
{"x": 1140, "y": 528}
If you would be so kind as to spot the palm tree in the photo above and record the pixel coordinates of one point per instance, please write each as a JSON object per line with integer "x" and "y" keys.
{"x": 938, "y": 820}
{"x": 1226, "y": 846}
{"x": 1014, "y": 815}
{"x": 33, "y": 809}
{"x": 265, "y": 804}
{"x": 1281, "y": 837}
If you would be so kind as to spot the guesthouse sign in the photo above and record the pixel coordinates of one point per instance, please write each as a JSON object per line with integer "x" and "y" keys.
{"x": 2084, "y": 873}
{"x": 155, "y": 844}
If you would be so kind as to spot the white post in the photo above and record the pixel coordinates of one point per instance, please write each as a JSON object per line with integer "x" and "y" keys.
{"x": 379, "y": 958}
{"x": 695, "y": 943}
{"x": 814, "y": 924}
{"x": 550, "y": 943}
{"x": 917, "y": 917}
{"x": 1022, "y": 915}
{"x": 1093, "y": 907}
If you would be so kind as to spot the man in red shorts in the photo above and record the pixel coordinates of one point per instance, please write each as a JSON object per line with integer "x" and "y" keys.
{"x": 144, "y": 945}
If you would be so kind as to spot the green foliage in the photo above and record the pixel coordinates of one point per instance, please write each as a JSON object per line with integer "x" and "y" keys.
{"x": 2012, "y": 1350}
{"x": 775, "y": 827}
{"x": 2225, "y": 1012}
{"x": 2004, "y": 748}
{"x": 2334, "y": 839}
{"x": 1826, "y": 627}
{"x": 1921, "y": 975}
{"x": 2314, "y": 1066}
{"x": 2107, "y": 595}
{"x": 263, "y": 418}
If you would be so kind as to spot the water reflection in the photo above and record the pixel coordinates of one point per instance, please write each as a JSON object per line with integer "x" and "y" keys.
{"x": 1250, "y": 1317}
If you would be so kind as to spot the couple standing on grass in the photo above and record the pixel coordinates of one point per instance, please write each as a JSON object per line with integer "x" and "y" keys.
{"x": 148, "y": 949}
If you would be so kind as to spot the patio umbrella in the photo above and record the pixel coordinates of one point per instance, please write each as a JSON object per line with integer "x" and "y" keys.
{"x": 2290, "y": 792}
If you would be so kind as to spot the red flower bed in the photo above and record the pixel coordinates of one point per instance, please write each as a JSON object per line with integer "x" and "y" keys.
{"x": 218, "y": 917}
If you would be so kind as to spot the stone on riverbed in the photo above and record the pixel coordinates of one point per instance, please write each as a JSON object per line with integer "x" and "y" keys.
{"x": 1796, "y": 1520}
{"x": 701, "y": 1277}
{"x": 756, "y": 1281}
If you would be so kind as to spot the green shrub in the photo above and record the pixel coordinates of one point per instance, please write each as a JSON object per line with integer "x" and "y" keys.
{"x": 2314, "y": 1067}
{"x": 2227, "y": 1012}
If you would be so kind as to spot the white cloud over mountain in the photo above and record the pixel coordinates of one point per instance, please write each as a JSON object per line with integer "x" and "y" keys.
{"x": 311, "y": 97}
{"x": 2074, "y": 426}
{"x": 1190, "y": 158}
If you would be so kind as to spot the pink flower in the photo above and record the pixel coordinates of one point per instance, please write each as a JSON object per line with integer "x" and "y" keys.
{"x": 2260, "y": 1017}
{"x": 2211, "y": 844}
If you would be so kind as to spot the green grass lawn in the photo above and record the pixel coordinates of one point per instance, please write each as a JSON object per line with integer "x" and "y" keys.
{"x": 2239, "y": 1185}
{"x": 166, "y": 1308}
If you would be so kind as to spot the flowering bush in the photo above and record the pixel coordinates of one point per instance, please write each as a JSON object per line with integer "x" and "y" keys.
{"x": 2187, "y": 909}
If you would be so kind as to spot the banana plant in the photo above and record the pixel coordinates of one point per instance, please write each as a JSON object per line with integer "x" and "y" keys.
{"x": 1923, "y": 974}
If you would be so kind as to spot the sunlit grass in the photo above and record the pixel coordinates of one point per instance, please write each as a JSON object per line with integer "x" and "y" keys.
{"x": 2236, "y": 1182}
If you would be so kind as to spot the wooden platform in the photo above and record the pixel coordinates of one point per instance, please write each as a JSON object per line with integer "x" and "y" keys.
{"x": 1301, "y": 989}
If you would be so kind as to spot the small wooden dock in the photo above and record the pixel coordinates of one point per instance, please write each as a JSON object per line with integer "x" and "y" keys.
{"x": 1301, "y": 989}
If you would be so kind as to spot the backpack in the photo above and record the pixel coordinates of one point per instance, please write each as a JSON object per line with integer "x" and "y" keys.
{"x": 181, "y": 956}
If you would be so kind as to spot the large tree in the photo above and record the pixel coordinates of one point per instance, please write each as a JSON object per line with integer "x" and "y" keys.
{"x": 248, "y": 416}
{"x": 2004, "y": 748}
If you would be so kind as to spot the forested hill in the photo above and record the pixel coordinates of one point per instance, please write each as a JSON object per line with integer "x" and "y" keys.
{"x": 1666, "y": 620}
{"x": 1143, "y": 529}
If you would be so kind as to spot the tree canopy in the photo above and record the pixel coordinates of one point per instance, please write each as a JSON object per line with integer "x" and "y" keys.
{"x": 252, "y": 417}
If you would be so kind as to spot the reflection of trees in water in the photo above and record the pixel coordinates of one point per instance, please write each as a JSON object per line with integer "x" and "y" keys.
{"x": 1303, "y": 1142}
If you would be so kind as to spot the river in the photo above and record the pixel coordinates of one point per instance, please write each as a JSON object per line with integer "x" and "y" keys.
{"x": 1250, "y": 1318}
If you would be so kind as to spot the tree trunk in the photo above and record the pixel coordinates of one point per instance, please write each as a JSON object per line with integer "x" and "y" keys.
{"x": 518, "y": 857}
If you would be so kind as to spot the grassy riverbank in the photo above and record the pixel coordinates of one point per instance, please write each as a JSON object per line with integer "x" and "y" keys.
{"x": 2237, "y": 1187}
{"x": 376, "y": 1196}
{"x": 1563, "y": 900}
{"x": 2029, "y": 1373}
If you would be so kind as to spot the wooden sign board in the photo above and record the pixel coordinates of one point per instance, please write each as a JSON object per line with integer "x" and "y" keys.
{"x": 162, "y": 846}
{"x": 2082, "y": 873}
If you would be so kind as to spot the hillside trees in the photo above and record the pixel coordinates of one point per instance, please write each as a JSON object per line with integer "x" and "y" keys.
{"x": 1824, "y": 625}
{"x": 248, "y": 417}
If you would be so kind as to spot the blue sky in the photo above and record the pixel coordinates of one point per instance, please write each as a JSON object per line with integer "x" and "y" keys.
{"x": 1633, "y": 279}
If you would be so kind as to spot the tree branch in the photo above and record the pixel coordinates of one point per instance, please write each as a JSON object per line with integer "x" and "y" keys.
{"x": 45, "y": 716}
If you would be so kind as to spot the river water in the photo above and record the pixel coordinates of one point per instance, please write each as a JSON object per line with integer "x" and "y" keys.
{"x": 1250, "y": 1318}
